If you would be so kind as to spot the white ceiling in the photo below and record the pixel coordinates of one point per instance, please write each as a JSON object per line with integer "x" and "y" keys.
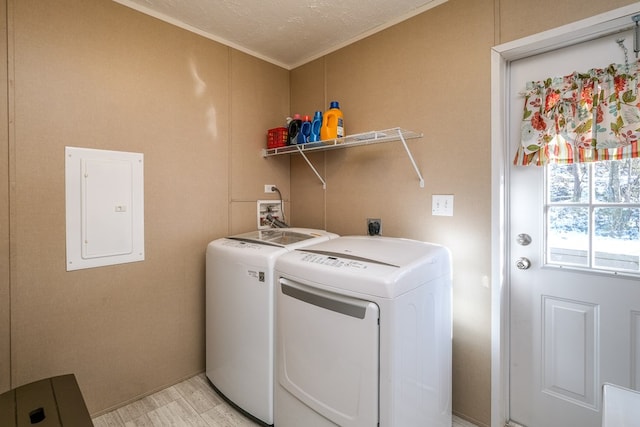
{"x": 287, "y": 33}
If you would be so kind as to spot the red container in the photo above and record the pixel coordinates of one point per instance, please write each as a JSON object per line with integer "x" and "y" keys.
{"x": 277, "y": 137}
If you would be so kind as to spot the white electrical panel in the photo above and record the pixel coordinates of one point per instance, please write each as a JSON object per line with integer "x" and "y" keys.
{"x": 269, "y": 210}
{"x": 105, "y": 207}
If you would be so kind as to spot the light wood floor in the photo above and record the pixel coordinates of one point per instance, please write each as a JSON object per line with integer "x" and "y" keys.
{"x": 189, "y": 403}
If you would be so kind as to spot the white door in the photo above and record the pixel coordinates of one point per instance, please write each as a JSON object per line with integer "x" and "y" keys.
{"x": 572, "y": 326}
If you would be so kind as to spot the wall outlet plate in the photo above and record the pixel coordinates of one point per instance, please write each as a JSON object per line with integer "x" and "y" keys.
{"x": 268, "y": 188}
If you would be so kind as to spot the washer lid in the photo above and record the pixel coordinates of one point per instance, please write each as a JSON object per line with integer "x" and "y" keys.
{"x": 281, "y": 236}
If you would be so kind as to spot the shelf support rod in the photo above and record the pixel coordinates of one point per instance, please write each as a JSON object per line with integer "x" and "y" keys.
{"x": 304, "y": 156}
{"x": 415, "y": 167}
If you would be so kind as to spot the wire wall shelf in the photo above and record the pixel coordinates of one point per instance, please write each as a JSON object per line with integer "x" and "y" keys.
{"x": 366, "y": 138}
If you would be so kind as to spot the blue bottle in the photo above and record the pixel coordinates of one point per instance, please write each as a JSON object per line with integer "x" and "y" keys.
{"x": 316, "y": 125}
{"x": 305, "y": 130}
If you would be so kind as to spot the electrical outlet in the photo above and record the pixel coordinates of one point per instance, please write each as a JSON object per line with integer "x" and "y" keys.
{"x": 374, "y": 226}
{"x": 268, "y": 188}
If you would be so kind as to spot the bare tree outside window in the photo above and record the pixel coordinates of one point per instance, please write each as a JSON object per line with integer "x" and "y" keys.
{"x": 593, "y": 215}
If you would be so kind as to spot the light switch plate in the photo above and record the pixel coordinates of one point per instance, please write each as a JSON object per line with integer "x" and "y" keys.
{"x": 442, "y": 204}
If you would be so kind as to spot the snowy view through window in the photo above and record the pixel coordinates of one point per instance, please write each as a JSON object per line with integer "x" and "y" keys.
{"x": 593, "y": 215}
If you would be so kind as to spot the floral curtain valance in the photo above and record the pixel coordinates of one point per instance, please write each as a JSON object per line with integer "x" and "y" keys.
{"x": 582, "y": 117}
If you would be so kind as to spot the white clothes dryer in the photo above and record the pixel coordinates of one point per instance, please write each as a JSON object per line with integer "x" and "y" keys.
{"x": 364, "y": 334}
{"x": 239, "y": 329}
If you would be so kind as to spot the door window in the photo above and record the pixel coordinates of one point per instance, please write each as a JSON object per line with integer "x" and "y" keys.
{"x": 592, "y": 215}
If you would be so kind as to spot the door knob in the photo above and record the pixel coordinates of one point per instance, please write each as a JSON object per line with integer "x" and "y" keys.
{"x": 523, "y": 263}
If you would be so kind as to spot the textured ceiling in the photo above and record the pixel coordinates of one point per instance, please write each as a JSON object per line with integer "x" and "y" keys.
{"x": 287, "y": 33}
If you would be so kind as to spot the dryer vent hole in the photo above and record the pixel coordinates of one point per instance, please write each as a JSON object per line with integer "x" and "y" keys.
{"x": 374, "y": 226}
{"x": 36, "y": 416}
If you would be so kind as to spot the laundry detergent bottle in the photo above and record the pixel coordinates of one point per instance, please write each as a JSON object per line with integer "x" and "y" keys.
{"x": 305, "y": 130}
{"x": 332, "y": 123}
{"x": 294, "y": 129}
{"x": 316, "y": 125}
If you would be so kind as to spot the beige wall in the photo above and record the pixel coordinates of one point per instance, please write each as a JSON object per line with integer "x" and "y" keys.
{"x": 429, "y": 74}
{"x": 92, "y": 73}
{"x": 421, "y": 75}
{"x": 260, "y": 101}
{"x": 96, "y": 74}
{"x": 5, "y": 294}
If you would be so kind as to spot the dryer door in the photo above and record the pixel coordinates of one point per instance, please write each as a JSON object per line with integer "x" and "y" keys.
{"x": 328, "y": 351}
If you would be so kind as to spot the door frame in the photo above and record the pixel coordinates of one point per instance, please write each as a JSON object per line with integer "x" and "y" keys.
{"x": 501, "y": 57}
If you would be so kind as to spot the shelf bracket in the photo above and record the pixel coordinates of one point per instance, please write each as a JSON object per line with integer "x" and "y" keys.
{"x": 304, "y": 156}
{"x": 415, "y": 167}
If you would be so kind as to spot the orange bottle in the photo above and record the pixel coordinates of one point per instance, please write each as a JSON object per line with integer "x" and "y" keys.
{"x": 332, "y": 123}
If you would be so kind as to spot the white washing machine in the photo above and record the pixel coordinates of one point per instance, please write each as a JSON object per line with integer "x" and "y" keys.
{"x": 364, "y": 334}
{"x": 240, "y": 294}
